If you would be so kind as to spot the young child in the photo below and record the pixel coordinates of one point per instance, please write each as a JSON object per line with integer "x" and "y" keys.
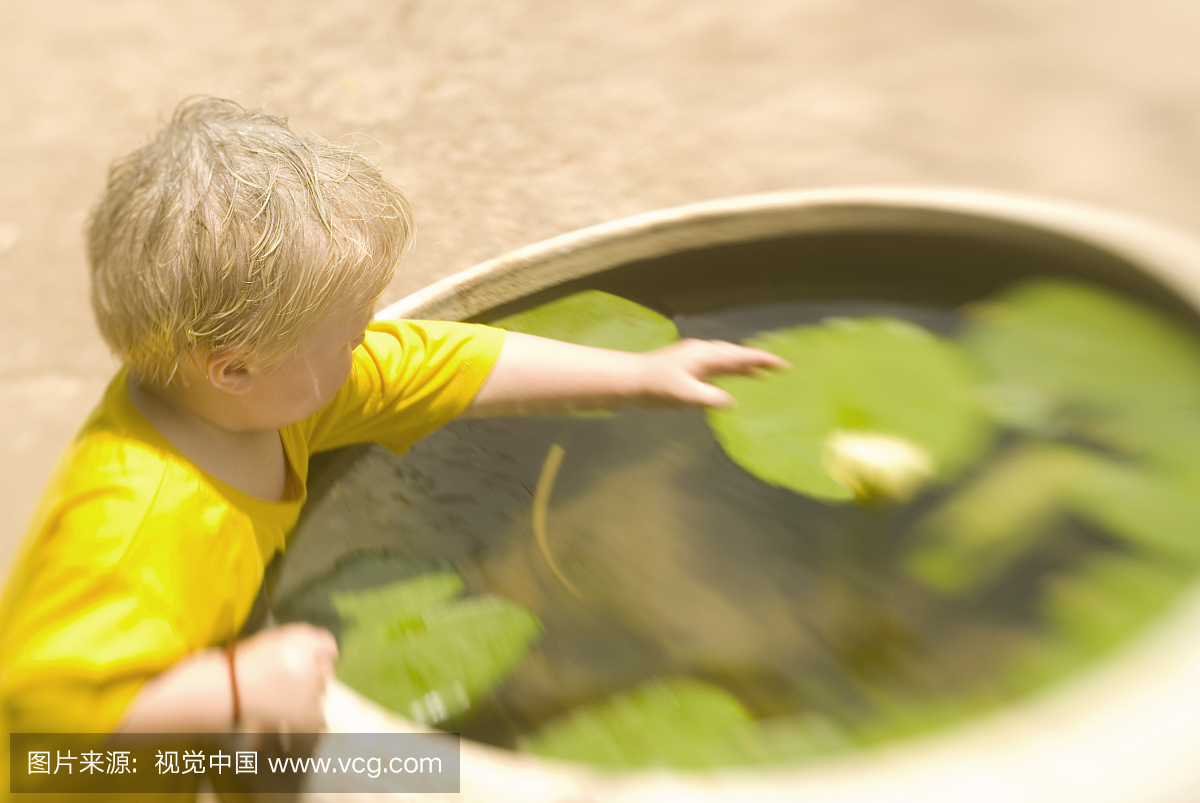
{"x": 235, "y": 266}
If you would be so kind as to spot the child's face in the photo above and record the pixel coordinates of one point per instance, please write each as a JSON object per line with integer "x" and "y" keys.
{"x": 292, "y": 391}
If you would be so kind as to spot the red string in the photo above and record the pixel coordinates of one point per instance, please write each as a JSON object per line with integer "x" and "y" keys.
{"x": 237, "y": 703}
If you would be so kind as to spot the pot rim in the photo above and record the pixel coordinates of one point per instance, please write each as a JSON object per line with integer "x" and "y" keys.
{"x": 1164, "y": 253}
{"x": 1124, "y": 729}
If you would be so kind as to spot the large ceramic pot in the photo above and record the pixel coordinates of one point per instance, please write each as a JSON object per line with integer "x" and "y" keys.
{"x": 1125, "y": 731}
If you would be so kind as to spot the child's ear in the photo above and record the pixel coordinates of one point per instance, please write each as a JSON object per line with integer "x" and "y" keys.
{"x": 226, "y": 371}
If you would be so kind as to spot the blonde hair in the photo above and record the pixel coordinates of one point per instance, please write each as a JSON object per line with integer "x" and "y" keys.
{"x": 230, "y": 232}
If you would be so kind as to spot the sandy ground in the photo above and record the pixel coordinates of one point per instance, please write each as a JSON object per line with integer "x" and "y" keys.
{"x": 510, "y": 122}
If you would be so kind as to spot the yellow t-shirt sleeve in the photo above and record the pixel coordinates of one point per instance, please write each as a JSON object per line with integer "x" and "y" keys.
{"x": 408, "y": 379}
{"x": 132, "y": 564}
{"x": 83, "y": 634}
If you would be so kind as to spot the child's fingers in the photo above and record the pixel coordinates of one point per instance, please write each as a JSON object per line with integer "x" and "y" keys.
{"x": 702, "y": 394}
{"x": 326, "y": 659}
{"x": 719, "y": 399}
{"x": 325, "y": 652}
{"x": 731, "y": 358}
{"x": 326, "y": 644}
{"x": 317, "y": 642}
{"x": 326, "y": 665}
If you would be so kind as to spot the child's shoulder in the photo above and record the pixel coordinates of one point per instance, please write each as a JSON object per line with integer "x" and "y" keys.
{"x": 409, "y": 377}
{"x": 419, "y": 347}
{"x": 119, "y": 513}
{"x": 111, "y": 477}
{"x": 115, "y": 448}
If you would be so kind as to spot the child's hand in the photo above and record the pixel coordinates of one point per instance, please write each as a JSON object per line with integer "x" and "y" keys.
{"x": 281, "y": 676}
{"x": 677, "y": 375}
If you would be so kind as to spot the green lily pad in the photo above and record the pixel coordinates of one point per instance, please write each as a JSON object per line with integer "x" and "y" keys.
{"x": 1155, "y": 512}
{"x": 793, "y": 739}
{"x": 979, "y": 532}
{"x": 877, "y": 377}
{"x": 414, "y": 649}
{"x": 313, "y": 602}
{"x": 595, "y": 318}
{"x": 399, "y": 602}
{"x": 683, "y": 724}
{"x": 905, "y": 718}
{"x": 1076, "y": 359}
{"x": 1111, "y": 598}
{"x": 679, "y": 722}
{"x": 1093, "y": 610}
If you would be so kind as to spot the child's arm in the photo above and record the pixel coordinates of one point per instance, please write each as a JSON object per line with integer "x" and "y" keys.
{"x": 281, "y": 675}
{"x": 536, "y": 375}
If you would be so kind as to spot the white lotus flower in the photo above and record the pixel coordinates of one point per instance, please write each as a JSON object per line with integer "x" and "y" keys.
{"x": 875, "y": 466}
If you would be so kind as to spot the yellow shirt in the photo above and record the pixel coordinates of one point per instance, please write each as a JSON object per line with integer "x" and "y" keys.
{"x": 136, "y": 558}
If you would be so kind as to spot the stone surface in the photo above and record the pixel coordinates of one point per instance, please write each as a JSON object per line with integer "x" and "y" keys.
{"x": 512, "y": 122}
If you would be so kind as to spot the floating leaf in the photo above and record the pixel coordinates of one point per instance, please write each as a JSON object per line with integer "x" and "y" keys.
{"x": 1153, "y": 511}
{"x": 1091, "y": 611}
{"x": 313, "y": 601}
{"x": 674, "y": 723}
{"x": 792, "y": 739}
{"x": 1110, "y": 598}
{"x": 977, "y": 534}
{"x": 683, "y": 724}
{"x": 411, "y": 648}
{"x": 595, "y": 318}
{"x": 1044, "y": 662}
{"x": 913, "y": 716}
{"x": 875, "y": 376}
{"x": 981, "y": 530}
{"x": 397, "y": 601}
{"x": 1073, "y": 357}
